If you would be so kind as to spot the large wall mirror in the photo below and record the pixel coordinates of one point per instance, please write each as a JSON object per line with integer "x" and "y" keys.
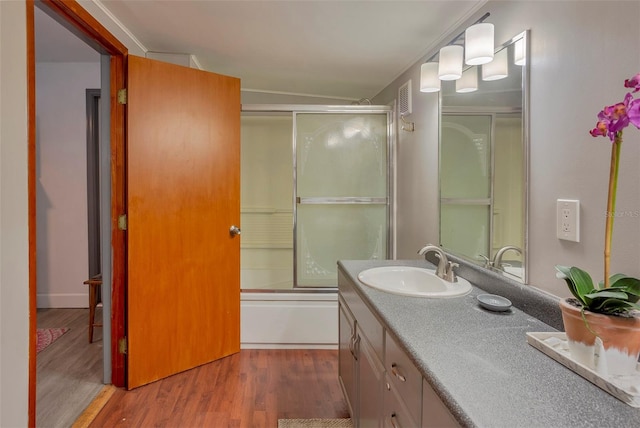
{"x": 483, "y": 162}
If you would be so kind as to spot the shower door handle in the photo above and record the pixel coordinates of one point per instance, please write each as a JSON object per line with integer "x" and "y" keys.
{"x": 234, "y": 230}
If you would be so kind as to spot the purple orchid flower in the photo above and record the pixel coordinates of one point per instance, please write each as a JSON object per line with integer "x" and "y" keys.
{"x": 634, "y": 83}
{"x": 614, "y": 118}
{"x": 600, "y": 130}
{"x": 633, "y": 113}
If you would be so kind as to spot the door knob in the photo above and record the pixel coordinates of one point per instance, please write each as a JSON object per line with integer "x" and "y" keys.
{"x": 234, "y": 230}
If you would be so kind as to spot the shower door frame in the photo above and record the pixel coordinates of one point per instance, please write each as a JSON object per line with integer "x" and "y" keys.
{"x": 293, "y": 109}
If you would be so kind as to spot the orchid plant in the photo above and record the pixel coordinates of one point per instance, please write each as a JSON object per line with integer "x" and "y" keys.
{"x": 619, "y": 293}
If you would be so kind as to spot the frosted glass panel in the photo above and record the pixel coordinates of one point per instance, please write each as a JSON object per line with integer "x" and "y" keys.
{"x": 328, "y": 233}
{"x": 465, "y": 158}
{"x": 508, "y": 173}
{"x": 266, "y": 211}
{"x": 267, "y": 161}
{"x": 341, "y": 155}
{"x": 465, "y": 228}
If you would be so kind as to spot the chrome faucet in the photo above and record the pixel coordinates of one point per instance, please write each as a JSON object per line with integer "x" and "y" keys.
{"x": 488, "y": 264}
{"x": 444, "y": 269}
{"x": 497, "y": 259}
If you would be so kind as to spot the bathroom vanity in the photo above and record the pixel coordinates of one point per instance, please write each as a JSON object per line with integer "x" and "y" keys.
{"x": 422, "y": 362}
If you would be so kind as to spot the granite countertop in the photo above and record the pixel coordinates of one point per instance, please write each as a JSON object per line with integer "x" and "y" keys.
{"x": 479, "y": 362}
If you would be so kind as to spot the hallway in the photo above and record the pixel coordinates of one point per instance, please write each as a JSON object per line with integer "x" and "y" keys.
{"x": 69, "y": 371}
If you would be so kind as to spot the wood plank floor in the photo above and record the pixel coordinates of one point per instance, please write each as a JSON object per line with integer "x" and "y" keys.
{"x": 253, "y": 388}
{"x": 69, "y": 371}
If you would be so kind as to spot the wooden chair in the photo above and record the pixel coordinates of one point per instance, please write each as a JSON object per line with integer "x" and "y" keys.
{"x": 95, "y": 286}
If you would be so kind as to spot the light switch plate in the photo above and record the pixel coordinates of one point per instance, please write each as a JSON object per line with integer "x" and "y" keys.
{"x": 568, "y": 220}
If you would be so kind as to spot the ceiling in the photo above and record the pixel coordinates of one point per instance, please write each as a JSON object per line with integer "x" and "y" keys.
{"x": 347, "y": 49}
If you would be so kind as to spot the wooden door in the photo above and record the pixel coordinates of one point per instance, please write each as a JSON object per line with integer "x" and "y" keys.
{"x": 183, "y": 195}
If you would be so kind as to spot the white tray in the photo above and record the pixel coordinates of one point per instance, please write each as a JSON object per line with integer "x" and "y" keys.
{"x": 624, "y": 388}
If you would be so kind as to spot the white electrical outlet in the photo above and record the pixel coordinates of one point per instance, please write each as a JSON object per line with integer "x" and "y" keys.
{"x": 568, "y": 220}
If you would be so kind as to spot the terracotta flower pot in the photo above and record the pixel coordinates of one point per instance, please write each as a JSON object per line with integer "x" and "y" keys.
{"x": 618, "y": 351}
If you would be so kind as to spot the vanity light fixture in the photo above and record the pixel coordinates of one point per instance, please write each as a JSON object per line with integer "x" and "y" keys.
{"x": 479, "y": 44}
{"x": 498, "y": 68}
{"x": 429, "y": 81}
{"x": 452, "y": 56}
{"x": 450, "y": 65}
{"x": 519, "y": 57}
{"x": 469, "y": 81}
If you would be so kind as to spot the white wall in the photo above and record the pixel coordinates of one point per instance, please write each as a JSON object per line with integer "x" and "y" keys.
{"x": 61, "y": 182}
{"x": 185, "y": 60}
{"x": 581, "y": 52}
{"x": 115, "y": 27}
{"x": 14, "y": 230}
{"x": 417, "y": 169}
{"x": 258, "y": 97}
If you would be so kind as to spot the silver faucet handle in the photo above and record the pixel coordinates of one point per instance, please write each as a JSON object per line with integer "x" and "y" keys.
{"x": 450, "y": 275}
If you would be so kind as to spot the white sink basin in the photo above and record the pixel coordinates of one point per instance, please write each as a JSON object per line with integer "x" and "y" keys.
{"x": 512, "y": 270}
{"x": 413, "y": 281}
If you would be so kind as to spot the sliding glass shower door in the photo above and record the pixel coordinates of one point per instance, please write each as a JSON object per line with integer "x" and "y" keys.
{"x": 341, "y": 192}
{"x": 315, "y": 190}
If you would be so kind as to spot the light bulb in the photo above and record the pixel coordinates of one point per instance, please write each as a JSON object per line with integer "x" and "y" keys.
{"x": 498, "y": 68}
{"x": 469, "y": 81}
{"x": 429, "y": 81}
{"x": 450, "y": 65}
{"x": 478, "y": 44}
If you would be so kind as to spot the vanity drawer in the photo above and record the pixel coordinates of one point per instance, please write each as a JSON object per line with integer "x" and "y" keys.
{"x": 404, "y": 377}
{"x": 395, "y": 412}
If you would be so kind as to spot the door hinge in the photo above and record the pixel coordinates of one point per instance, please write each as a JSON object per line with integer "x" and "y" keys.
{"x": 122, "y": 345}
{"x": 122, "y": 96}
{"x": 122, "y": 222}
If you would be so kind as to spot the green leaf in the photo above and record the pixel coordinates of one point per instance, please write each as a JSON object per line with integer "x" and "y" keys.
{"x": 613, "y": 279}
{"x": 566, "y": 272}
{"x": 599, "y": 294}
{"x": 627, "y": 284}
{"x": 614, "y": 306}
{"x": 582, "y": 282}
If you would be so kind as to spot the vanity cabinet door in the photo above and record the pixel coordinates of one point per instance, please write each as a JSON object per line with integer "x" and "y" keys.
{"x": 347, "y": 363}
{"x": 371, "y": 381}
{"x": 360, "y": 356}
{"x": 434, "y": 412}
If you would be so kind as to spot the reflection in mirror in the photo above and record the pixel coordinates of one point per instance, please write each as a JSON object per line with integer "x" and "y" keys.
{"x": 483, "y": 175}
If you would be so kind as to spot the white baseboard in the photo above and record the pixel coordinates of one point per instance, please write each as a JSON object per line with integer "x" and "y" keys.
{"x": 289, "y": 320}
{"x": 62, "y": 300}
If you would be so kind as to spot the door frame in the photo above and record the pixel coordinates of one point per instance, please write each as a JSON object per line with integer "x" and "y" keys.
{"x": 72, "y": 16}
{"x": 92, "y": 98}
